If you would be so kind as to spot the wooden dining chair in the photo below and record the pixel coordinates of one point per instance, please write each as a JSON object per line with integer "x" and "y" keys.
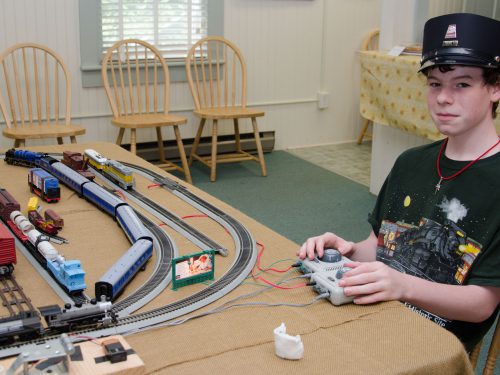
{"x": 493, "y": 351}
{"x": 35, "y": 95}
{"x": 217, "y": 76}
{"x": 136, "y": 81}
{"x": 370, "y": 43}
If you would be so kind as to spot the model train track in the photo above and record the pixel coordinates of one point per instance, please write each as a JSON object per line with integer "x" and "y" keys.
{"x": 13, "y": 297}
{"x": 161, "y": 276}
{"x": 172, "y": 220}
{"x": 245, "y": 256}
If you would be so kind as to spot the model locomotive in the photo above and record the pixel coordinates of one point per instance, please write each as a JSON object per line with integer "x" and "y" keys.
{"x": 44, "y": 185}
{"x": 112, "y": 169}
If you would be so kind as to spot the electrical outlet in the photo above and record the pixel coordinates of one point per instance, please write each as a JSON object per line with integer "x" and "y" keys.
{"x": 323, "y": 99}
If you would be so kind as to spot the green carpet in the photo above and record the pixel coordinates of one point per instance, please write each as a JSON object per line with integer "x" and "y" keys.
{"x": 298, "y": 200}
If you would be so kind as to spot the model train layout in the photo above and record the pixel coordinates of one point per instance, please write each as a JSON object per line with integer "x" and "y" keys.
{"x": 99, "y": 316}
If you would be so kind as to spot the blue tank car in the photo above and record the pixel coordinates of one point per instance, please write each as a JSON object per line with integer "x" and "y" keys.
{"x": 68, "y": 273}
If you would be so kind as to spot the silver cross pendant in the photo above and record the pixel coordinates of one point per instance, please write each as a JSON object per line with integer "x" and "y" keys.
{"x": 438, "y": 185}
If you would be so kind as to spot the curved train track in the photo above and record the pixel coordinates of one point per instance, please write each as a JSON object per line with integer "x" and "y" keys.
{"x": 245, "y": 257}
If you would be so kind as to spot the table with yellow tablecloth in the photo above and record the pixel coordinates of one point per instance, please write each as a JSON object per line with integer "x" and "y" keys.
{"x": 393, "y": 93}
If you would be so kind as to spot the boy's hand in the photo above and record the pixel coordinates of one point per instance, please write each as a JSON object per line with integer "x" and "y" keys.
{"x": 372, "y": 282}
{"x": 316, "y": 245}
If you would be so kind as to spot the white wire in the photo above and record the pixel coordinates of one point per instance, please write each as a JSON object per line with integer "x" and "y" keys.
{"x": 223, "y": 307}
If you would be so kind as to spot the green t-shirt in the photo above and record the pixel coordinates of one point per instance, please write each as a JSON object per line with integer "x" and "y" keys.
{"x": 450, "y": 235}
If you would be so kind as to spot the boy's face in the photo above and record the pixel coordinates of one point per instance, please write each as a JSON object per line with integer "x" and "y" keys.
{"x": 459, "y": 101}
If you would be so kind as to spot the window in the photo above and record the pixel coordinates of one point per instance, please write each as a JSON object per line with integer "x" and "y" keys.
{"x": 170, "y": 25}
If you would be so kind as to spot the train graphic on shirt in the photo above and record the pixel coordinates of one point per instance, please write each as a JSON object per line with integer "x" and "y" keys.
{"x": 441, "y": 253}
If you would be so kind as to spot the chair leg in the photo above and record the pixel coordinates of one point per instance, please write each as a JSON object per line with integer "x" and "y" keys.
{"x": 362, "y": 133}
{"x": 491, "y": 359}
{"x": 213, "y": 163}
{"x": 474, "y": 355}
{"x": 196, "y": 142}
{"x": 133, "y": 141}
{"x": 119, "y": 138}
{"x": 18, "y": 143}
{"x": 60, "y": 141}
{"x": 160, "y": 144}
{"x": 182, "y": 154}
{"x": 237, "y": 135}
{"x": 73, "y": 139}
{"x": 259, "y": 146}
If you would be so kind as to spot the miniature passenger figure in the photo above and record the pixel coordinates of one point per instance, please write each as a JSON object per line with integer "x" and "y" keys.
{"x": 435, "y": 243}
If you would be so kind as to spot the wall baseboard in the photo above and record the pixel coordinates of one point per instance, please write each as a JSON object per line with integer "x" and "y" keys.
{"x": 149, "y": 150}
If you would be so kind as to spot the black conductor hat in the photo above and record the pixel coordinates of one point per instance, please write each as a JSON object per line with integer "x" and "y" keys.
{"x": 461, "y": 39}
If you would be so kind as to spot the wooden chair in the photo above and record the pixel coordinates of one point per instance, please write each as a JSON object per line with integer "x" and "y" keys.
{"x": 131, "y": 72}
{"x": 216, "y": 72}
{"x": 489, "y": 366}
{"x": 35, "y": 95}
{"x": 370, "y": 43}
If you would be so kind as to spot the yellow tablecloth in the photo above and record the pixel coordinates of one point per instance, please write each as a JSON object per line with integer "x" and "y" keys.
{"x": 393, "y": 93}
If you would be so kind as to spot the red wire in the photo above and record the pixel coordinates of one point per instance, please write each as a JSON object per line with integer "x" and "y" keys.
{"x": 258, "y": 264}
{"x": 121, "y": 195}
{"x": 191, "y": 216}
{"x": 266, "y": 281}
{"x": 268, "y": 269}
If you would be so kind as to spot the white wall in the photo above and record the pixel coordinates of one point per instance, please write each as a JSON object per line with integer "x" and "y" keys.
{"x": 293, "y": 49}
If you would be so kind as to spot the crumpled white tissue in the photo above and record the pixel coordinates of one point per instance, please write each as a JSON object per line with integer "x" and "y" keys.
{"x": 286, "y": 346}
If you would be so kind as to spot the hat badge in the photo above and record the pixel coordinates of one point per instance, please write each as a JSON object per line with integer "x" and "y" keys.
{"x": 451, "y": 32}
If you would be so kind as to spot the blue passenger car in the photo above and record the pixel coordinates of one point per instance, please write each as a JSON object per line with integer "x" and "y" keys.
{"x": 69, "y": 177}
{"x": 131, "y": 224}
{"x": 111, "y": 284}
{"x": 102, "y": 198}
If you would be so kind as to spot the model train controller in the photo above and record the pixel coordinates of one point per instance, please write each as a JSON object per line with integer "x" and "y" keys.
{"x": 326, "y": 273}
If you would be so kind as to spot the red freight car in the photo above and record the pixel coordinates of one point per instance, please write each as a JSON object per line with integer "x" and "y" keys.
{"x": 53, "y": 218}
{"x": 75, "y": 161}
{"x": 7, "y": 205}
{"x": 7, "y": 251}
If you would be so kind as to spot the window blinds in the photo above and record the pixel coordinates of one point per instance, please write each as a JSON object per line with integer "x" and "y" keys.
{"x": 172, "y": 26}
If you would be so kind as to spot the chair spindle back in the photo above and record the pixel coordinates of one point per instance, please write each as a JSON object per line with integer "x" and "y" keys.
{"x": 216, "y": 72}
{"x": 136, "y": 78}
{"x": 35, "y": 87}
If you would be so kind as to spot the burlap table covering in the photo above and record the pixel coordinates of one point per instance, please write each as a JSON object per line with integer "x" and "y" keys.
{"x": 384, "y": 338}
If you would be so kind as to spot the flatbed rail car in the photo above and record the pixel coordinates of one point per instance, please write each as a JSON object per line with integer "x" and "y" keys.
{"x": 43, "y": 184}
{"x": 41, "y": 224}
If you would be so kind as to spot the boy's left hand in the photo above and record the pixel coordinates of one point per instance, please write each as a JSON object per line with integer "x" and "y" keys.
{"x": 371, "y": 282}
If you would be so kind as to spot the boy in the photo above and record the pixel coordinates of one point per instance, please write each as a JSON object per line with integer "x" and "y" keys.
{"x": 435, "y": 243}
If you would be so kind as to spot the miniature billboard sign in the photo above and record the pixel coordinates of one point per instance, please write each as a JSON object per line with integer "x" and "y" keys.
{"x": 193, "y": 268}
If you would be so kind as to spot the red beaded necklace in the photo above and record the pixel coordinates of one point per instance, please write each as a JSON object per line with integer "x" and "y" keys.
{"x": 442, "y": 178}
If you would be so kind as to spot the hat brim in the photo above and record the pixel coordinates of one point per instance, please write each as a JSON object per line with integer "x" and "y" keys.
{"x": 458, "y": 56}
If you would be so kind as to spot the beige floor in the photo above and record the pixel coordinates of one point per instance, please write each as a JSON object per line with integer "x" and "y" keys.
{"x": 347, "y": 159}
